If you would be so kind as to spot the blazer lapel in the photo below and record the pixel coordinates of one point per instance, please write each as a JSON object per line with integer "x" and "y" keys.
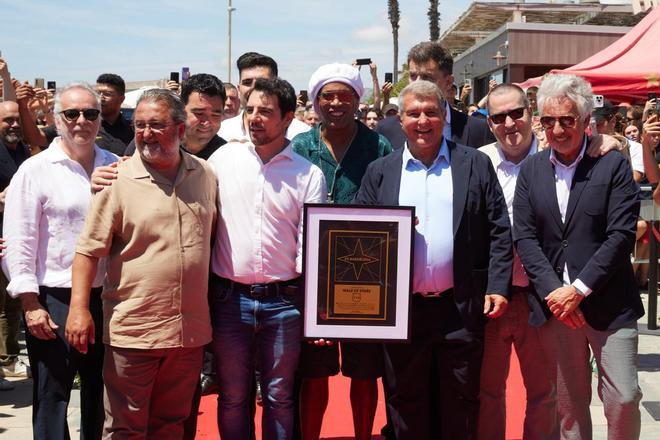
{"x": 580, "y": 181}
{"x": 460, "y": 178}
{"x": 392, "y": 179}
{"x": 547, "y": 182}
{"x": 458, "y": 122}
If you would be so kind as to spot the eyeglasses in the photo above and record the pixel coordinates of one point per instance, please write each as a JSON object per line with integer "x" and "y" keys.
{"x": 156, "y": 127}
{"x": 340, "y": 95}
{"x": 72, "y": 114}
{"x": 549, "y": 122}
{"x": 514, "y": 114}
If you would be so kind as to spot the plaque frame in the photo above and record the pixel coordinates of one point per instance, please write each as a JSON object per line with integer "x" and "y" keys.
{"x": 392, "y": 323}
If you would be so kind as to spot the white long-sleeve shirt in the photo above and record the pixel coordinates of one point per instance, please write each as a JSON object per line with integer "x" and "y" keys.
{"x": 45, "y": 209}
{"x": 259, "y": 229}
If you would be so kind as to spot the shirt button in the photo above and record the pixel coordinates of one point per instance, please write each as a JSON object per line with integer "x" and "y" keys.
{"x": 558, "y": 269}
{"x": 564, "y": 243}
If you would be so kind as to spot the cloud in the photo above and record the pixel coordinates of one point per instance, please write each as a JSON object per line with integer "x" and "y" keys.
{"x": 373, "y": 34}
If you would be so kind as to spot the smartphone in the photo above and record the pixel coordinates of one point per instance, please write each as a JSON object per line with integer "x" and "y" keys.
{"x": 39, "y": 83}
{"x": 657, "y": 104}
{"x": 51, "y": 85}
{"x": 185, "y": 73}
{"x": 304, "y": 97}
{"x": 468, "y": 82}
{"x": 388, "y": 77}
{"x": 174, "y": 76}
{"x": 598, "y": 101}
{"x": 363, "y": 61}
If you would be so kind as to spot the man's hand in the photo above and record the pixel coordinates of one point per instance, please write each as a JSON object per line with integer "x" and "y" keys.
{"x": 465, "y": 93}
{"x": 574, "y": 320}
{"x": 601, "y": 144}
{"x": 24, "y": 94}
{"x": 4, "y": 69}
{"x": 495, "y": 305}
{"x": 38, "y": 320}
{"x": 373, "y": 69}
{"x": 651, "y": 132}
{"x": 103, "y": 176}
{"x": 563, "y": 301}
{"x": 321, "y": 342}
{"x": 173, "y": 86}
{"x": 79, "y": 330}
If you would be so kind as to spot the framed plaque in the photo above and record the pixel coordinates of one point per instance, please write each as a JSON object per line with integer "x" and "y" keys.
{"x": 357, "y": 266}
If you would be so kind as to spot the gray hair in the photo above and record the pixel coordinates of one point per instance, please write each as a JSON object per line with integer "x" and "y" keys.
{"x": 572, "y": 87}
{"x": 177, "y": 109}
{"x": 422, "y": 89}
{"x": 76, "y": 85}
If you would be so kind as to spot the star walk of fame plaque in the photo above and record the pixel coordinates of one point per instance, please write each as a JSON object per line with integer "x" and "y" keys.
{"x": 357, "y": 264}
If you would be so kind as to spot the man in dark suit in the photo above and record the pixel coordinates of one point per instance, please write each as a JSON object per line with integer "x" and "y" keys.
{"x": 431, "y": 62}
{"x": 574, "y": 228}
{"x": 461, "y": 272}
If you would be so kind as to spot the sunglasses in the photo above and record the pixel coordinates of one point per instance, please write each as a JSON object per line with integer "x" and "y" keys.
{"x": 341, "y": 96}
{"x": 548, "y": 122}
{"x": 72, "y": 114}
{"x": 514, "y": 114}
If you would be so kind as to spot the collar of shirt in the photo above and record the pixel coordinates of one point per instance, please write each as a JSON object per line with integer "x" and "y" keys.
{"x": 501, "y": 162}
{"x": 138, "y": 170}
{"x": 286, "y": 153}
{"x": 57, "y": 154}
{"x": 557, "y": 163}
{"x": 410, "y": 162}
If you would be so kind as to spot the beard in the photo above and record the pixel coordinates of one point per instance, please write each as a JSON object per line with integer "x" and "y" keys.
{"x": 11, "y": 137}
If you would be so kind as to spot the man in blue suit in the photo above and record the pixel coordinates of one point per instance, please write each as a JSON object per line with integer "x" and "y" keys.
{"x": 574, "y": 228}
{"x": 461, "y": 271}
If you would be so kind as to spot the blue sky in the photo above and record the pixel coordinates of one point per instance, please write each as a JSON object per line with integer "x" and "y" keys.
{"x": 67, "y": 40}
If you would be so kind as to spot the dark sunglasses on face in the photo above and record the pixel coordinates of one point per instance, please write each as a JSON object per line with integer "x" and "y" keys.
{"x": 568, "y": 121}
{"x": 342, "y": 96}
{"x": 514, "y": 114}
{"x": 72, "y": 114}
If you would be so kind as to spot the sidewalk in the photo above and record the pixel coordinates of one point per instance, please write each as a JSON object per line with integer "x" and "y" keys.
{"x": 15, "y": 405}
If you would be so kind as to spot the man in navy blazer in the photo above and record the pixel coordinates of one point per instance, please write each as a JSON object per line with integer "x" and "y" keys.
{"x": 461, "y": 271}
{"x": 432, "y": 62}
{"x": 574, "y": 229}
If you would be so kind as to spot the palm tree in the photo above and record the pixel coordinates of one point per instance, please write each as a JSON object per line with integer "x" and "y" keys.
{"x": 393, "y": 14}
{"x": 434, "y": 20}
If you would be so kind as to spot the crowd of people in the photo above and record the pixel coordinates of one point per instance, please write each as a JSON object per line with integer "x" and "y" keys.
{"x": 157, "y": 256}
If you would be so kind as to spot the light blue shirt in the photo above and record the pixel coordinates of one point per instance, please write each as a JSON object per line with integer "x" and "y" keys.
{"x": 430, "y": 191}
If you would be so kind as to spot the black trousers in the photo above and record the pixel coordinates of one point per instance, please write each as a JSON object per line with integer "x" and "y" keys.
{"x": 54, "y": 365}
{"x": 432, "y": 383}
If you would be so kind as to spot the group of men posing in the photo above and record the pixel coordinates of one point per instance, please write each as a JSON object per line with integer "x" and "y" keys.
{"x": 117, "y": 282}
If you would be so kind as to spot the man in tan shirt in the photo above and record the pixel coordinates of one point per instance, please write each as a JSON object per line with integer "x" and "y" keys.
{"x": 153, "y": 225}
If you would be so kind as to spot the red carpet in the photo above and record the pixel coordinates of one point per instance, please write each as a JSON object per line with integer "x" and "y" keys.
{"x": 338, "y": 423}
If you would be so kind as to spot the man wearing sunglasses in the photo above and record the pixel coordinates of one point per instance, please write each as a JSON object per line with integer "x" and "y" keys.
{"x": 510, "y": 120}
{"x": 45, "y": 210}
{"x": 574, "y": 228}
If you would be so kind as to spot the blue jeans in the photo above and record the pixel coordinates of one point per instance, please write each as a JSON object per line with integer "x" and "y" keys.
{"x": 249, "y": 332}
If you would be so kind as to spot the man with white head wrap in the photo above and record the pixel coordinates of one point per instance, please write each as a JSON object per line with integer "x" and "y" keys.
{"x": 342, "y": 147}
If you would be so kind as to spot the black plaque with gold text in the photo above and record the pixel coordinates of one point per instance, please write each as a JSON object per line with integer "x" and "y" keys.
{"x": 357, "y": 272}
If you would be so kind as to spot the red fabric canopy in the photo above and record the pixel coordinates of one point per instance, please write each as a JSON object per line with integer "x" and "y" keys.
{"x": 626, "y": 70}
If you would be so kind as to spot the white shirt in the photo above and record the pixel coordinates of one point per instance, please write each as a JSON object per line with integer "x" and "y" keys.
{"x": 259, "y": 231}
{"x": 45, "y": 209}
{"x": 636, "y": 156}
{"x": 507, "y": 175}
{"x": 433, "y": 268}
{"x": 563, "y": 181}
{"x": 233, "y": 129}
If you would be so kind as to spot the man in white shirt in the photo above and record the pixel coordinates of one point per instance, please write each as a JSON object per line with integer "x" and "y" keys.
{"x": 256, "y": 263}
{"x": 574, "y": 229}
{"x": 510, "y": 120}
{"x": 251, "y": 66}
{"x": 45, "y": 211}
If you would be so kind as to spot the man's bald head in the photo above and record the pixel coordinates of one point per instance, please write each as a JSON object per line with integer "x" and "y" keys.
{"x": 10, "y": 124}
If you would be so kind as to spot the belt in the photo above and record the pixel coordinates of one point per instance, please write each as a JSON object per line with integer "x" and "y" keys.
{"x": 264, "y": 290}
{"x": 434, "y": 294}
{"x": 519, "y": 289}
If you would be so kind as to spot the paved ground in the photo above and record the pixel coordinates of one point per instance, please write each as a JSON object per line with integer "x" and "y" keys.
{"x": 15, "y": 405}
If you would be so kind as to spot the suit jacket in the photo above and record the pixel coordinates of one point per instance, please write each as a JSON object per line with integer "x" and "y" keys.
{"x": 595, "y": 241}
{"x": 482, "y": 238}
{"x": 465, "y": 130}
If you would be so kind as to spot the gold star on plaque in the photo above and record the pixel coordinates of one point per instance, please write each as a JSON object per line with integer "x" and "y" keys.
{"x": 358, "y": 259}
{"x": 653, "y": 80}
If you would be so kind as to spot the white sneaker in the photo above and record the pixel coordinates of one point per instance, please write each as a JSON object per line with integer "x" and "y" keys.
{"x": 17, "y": 369}
{"x": 5, "y": 385}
